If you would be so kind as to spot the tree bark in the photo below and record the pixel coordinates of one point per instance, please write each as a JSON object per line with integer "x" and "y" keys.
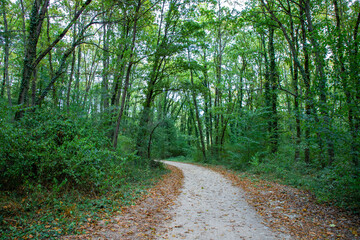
{"x": 319, "y": 60}
{"x": 37, "y": 16}
{"x": 355, "y": 76}
{"x": 198, "y": 120}
{"x": 207, "y": 104}
{"x": 6, "y": 54}
{"x": 31, "y": 59}
{"x": 127, "y": 77}
{"x": 295, "y": 75}
{"x": 274, "y": 135}
{"x": 105, "y": 73}
{"x": 72, "y": 69}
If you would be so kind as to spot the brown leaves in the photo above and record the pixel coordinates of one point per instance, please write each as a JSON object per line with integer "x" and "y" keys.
{"x": 294, "y": 211}
{"x": 141, "y": 220}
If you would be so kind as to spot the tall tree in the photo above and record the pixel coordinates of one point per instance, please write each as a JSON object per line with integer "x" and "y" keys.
{"x": 32, "y": 58}
{"x": 6, "y": 81}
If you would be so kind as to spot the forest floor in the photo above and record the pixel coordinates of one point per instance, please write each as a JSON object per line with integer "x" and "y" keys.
{"x": 214, "y": 203}
{"x": 293, "y": 211}
{"x": 141, "y": 220}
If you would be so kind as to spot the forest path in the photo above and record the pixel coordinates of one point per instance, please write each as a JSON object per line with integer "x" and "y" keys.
{"x": 210, "y": 207}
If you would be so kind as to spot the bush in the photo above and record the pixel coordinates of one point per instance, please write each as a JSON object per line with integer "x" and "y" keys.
{"x": 50, "y": 147}
{"x": 57, "y": 170}
{"x": 338, "y": 184}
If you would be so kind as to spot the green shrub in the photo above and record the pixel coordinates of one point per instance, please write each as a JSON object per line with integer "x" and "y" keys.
{"x": 45, "y": 145}
{"x": 57, "y": 170}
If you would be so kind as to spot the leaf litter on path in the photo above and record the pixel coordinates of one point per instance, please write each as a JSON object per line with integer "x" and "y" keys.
{"x": 139, "y": 221}
{"x": 211, "y": 208}
{"x": 294, "y": 211}
{"x": 283, "y": 208}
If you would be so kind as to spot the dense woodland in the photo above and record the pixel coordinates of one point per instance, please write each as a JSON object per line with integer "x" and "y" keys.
{"x": 93, "y": 91}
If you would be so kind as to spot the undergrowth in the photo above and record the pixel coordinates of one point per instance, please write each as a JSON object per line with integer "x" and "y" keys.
{"x": 58, "y": 171}
{"x": 338, "y": 184}
{"x": 38, "y": 212}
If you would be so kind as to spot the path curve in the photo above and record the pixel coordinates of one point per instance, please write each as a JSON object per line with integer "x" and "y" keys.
{"x": 210, "y": 207}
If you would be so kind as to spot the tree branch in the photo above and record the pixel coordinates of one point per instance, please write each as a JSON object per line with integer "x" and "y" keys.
{"x": 62, "y": 34}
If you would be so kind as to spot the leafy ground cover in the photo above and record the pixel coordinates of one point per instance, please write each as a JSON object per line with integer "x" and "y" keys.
{"x": 44, "y": 214}
{"x": 59, "y": 171}
{"x": 294, "y": 211}
{"x": 140, "y": 220}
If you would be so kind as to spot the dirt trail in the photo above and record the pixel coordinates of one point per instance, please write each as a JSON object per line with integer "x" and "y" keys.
{"x": 210, "y": 207}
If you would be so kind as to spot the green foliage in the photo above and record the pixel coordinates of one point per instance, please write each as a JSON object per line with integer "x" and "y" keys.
{"x": 338, "y": 184}
{"x": 247, "y": 139}
{"x": 169, "y": 142}
{"x": 57, "y": 171}
{"x": 49, "y": 213}
{"x": 45, "y": 145}
{"x": 248, "y": 150}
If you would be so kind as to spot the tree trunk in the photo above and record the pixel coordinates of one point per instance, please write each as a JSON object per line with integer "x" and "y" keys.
{"x": 354, "y": 76}
{"x": 274, "y": 135}
{"x": 6, "y": 55}
{"x": 105, "y": 73}
{"x": 37, "y": 16}
{"x": 319, "y": 60}
{"x": 207, "y": 103}
{"x": 33, "y": 87}
{"x": 198, "y": 120}
{"x": 127, "y": 78}
{"x": 307, "y": 83}
{"x": 77, "y": 75}
{"x": 295, "y": 74}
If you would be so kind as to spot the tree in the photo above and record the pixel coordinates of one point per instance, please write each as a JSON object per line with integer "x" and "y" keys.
{"x": 6, "y": 81}
{"x": 32, "y": 58}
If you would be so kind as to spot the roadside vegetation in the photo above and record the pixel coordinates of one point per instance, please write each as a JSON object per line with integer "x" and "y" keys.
{"x": 93, "y": 92}
{"x": 58, "y": 173}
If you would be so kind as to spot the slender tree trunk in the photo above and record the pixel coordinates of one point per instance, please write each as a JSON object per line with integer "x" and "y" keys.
{"x": 3, "y": 86}
{"x": 6, "y": 54}
{"x": 270, "y": 90}
{"x": 295, "y": 74}
{"x": 118, "y": 81}
{"x": 319, "y": 59}
{"x": 297, "y": 114}
{"x": 207, "y": 100}
{"x": 68, "y": 93}
{"x": 121, "y": 65}
{"x": 274, "y": 135}
{"x": 307, "y": 83}
{"x": 150, "y": 140}
{"x": 33, "y": 87}
{"x": 105, "y": 74}
{"x": 90, "y": 77}
{"x": 72, "y": 69}
{"x": 127, "y": 78}
{"x": 355, "y": 76}
{"x": 37, "y": 16}
{"x": 23, "y": 14}
{"x": 77, "y": 75}
{"x": 51, "y": 68}
{"x": 218, "y": 91}
{"x": 198, "y": 120}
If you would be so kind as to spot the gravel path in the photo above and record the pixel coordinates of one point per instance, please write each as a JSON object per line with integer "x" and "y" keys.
{"x": 209, "y": 207}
